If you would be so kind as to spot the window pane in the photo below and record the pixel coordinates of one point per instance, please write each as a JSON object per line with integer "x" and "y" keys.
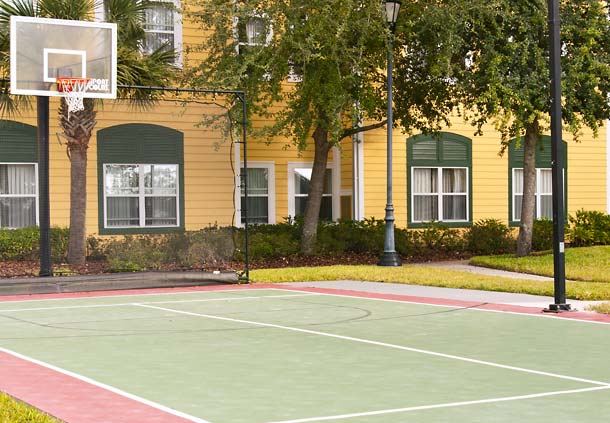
{"x": 425, "y": 208}
{"x": 159, "y": 27}
{"x": 546, "y": 207}
{"x": 257, "y": 181}
{"x": 258, "y": 210}
{"x": 17, "y": 179}
{"x": 122, "y": 211}
{"x": 454, "y": 207}
{"x": 545, "y": 183}
{"x": 425, "y": 181}
{"x": 17, "y": 212}
{"x": 518, "y": 181}
{"x": 161, "y": 211}
{"x": 517, "y": 204}
{"x": 301, "y": 180}
{"x": 253, "y": 31}
{"x": 160, "y": 179}
{"x": 454, "y": 180}
{"x": 122, "y": 179}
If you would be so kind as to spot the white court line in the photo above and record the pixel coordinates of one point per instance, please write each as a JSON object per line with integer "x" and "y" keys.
{"x": 445, "y": 405}
{"x": 474, "y": 308}
{"x": 106, "y": 387}
{"x": 382, "y": 344}
{"x": 309, "y": 294}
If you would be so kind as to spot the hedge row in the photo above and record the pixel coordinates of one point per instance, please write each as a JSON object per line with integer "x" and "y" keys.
{"x": 220, "y": 244}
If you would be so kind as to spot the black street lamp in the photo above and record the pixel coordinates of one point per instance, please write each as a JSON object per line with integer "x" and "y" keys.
{"x": 390, "y": 257}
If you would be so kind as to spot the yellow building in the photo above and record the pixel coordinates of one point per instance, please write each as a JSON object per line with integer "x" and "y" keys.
{"x": 455, "y": 178}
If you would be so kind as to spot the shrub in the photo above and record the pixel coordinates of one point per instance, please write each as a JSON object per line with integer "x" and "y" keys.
{"x": 489, "y": 236}
{"x": 542, "y": 235}
{"x": 589, "y": 228}
{"x": 24, "y": 243}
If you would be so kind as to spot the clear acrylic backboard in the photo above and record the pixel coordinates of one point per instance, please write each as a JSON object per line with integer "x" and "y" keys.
{"x": 45, "y": 49}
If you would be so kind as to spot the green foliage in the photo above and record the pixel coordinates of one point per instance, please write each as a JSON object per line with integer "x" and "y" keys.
{"x": 542, "y": 235}
{"x": 489, "y": 236}
{"x": 24, "y": 243}
{"x": 589, "y": 228}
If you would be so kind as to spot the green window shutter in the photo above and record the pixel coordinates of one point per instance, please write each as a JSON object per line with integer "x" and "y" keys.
{"x": 18, "y": 142}
{"x": 137, "y": 143}
{"x": 424, "y": 150}
{"x": 454, "y": 150}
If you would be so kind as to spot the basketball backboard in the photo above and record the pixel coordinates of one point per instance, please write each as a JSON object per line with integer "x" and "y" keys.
{"x": 45, "y": 49}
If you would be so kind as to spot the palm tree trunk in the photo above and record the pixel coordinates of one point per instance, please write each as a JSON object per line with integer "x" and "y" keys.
{"x": 524, "y": 240}
{"x": 316, "y": 190}
{"x": 77, "y": 130}
{"x": 77, "y": 245}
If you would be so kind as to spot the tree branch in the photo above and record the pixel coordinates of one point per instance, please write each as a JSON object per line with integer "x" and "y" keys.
{"x": 352, "y": 131}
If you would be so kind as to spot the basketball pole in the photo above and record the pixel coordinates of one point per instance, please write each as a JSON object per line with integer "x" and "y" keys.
{"x": 43, "y": 186}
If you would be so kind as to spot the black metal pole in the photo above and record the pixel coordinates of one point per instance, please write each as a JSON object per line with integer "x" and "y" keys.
{"x": 43, "y": 186}
{"x": 557, "y": 161}
{"x": 244, "y": 207}
{"x": 390, "y": 257}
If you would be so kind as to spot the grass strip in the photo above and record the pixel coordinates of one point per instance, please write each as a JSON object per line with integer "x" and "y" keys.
{"x": 13, "y": 411}
{"x": 431, "y": 276}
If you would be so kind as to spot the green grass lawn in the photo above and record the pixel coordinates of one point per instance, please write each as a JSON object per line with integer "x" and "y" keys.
{"x": 587, "y": 263}
{"x": 12, "y": 411}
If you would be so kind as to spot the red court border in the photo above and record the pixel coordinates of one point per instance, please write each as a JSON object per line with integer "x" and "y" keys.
{"x": 76, "y": 401}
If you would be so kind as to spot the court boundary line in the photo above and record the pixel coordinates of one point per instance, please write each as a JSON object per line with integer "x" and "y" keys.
{"x": 443, "y": 405}
{"x": 523, "y": 310}
{"x": 76, "y": 307}
{"x": 104, "y": 386}
{"x": 382, "y": 344}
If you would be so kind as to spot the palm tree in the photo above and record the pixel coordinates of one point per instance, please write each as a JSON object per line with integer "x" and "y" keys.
{"x": 134, "y": 68}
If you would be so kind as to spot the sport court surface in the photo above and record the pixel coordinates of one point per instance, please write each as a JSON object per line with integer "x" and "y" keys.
{"x": 262, "y": 354}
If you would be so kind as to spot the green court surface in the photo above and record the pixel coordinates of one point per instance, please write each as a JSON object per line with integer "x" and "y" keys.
{"x": 273, "y": 355}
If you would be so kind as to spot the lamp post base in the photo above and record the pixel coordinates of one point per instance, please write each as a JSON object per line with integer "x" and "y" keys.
{"x": 390, "y": 259}
{"x": 558, "y": 308}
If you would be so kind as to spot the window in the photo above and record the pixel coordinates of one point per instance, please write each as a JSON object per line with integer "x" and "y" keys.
{"x": 162, "y": 26}
{"x": 544, "y": 194}
{"x": 141, "y": 195}
{"x": 18, "y": 195}
{"x": 252, "y": 32}
{"x": 299, "y": 178}
{"x": 261, "y": 195}
{"x": 440, "y": 194}
{"x": 141, "y": 179}
{"x": 544, "y": 189}
{"x": 439, "y": 179}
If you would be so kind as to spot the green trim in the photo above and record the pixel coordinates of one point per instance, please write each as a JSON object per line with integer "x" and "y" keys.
{"x": 543, "y": 161}
{"x": 136, "y": 143}
{"x": 443, "y": 149}
{"x": 18, "y": 142}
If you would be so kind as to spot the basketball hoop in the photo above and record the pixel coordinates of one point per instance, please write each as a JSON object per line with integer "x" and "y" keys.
{"x": 73, "y": 90}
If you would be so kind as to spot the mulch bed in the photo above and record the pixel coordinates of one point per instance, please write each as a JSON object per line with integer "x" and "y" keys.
{"x": 30, "y": 268}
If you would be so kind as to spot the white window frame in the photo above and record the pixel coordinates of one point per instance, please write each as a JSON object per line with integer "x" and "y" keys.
{"x": 538, "y": 193}
{"x": 99, "y": 16}
{"x": 141, "y": 195}
{"x": 439, "y": 194}
{"x": 270, "y": 166}
{"x": 36, "y": 191}
{"x": 335, "y": 188}
{"x": 247, "y": 43}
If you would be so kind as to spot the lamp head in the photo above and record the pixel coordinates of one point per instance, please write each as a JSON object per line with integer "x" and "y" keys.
{"x": 391, "y": 11}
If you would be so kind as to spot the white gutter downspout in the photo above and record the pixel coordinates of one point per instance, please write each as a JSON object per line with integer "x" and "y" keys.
{"x": 358, "y": 175}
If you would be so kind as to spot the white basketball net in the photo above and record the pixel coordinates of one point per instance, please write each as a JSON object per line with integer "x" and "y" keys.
{"x": 73, "y": 90}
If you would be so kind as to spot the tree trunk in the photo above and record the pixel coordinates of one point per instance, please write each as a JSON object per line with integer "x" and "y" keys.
{"x": 316, "y": 189}
{"x": 528, "y": 212}
{"x": 77, "y": 245}
{"x": 77, "y": 130}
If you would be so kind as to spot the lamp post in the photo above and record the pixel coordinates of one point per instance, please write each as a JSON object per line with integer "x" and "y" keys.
{"x": 390, "y": 257}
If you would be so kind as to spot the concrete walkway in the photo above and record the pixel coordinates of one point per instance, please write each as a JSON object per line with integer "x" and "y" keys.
{"x": 456, "y": 294}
